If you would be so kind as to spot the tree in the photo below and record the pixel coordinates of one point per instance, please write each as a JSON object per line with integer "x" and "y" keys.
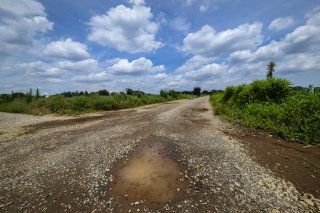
{"x": 270, "y": 69}
{"x": 37, "y": 93}
{"x": 103, "y": 92}
{"x": 129, "y": 91}
{"x": 29, "y": 96}
{"x": 163, "y": 93}
{"x": 173, "y": 93}
{"x": 197, "y": 91}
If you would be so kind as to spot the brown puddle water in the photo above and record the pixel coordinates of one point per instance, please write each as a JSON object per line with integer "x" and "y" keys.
{"x": 151, "y": 175}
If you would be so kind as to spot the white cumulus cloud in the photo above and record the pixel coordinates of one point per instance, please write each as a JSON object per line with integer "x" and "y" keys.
{"x": 38, "y": 68}
{"x": 67, "y": 49}
{"x": 126, "y": 29}
{"x": 138, "y": 66}
{"x": 86, "y": 65}
{"x": 20, "y": 23}
{"x": 301, "y": 46}
{"x": 281, "y": 23}
{"x": 21, "y": 8}
{"x": 193, "y": 63}
{"x": 137, "y": 1}
{"x": 206, "y": 72}
{"x": 92, "y": 77}
{"x": 161, "y": 76}
{"x": 209, "y": 43}
{"x": 180, "y": 24}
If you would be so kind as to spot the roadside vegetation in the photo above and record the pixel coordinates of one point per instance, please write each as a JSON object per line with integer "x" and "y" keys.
{"x": 82, "y": 102}
{"x": 272, "y": 104}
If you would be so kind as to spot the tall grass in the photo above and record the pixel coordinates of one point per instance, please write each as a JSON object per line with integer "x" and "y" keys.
{"x": 85, "y": 103}
{"x": 273, "y": 106}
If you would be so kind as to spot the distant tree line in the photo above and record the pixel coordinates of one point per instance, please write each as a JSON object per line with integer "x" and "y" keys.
{"x": 20, "y": 96}
{"x": 30, "y": 95}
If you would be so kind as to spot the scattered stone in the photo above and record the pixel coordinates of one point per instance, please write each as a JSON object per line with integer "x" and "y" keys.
{"x": 309, "y": 202}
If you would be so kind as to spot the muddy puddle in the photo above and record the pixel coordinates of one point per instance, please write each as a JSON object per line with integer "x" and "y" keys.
{"x": 151, "y": 175}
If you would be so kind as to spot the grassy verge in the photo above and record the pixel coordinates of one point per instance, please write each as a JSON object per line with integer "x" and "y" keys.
{"x": 83, "y": 104}
{"x": 291, "y": 115}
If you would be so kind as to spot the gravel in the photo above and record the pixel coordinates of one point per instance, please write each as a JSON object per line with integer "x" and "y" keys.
{"x": 71, "y": 167}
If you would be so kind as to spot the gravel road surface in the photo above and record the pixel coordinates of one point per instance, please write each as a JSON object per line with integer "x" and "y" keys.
{"x": 172, "y": 157}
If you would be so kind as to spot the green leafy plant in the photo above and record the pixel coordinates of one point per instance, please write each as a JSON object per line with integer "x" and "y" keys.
{"x": 271, "y": 104}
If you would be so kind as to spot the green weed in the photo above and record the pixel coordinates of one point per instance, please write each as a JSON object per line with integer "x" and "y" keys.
{"x": 271, "y": 105}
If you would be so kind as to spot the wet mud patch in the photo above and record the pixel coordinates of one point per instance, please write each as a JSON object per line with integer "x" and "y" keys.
{"x": 151, "y": 174}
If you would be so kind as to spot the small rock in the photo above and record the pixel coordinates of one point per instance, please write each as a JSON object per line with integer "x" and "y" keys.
{"x": 275, "y": 211}
{"x": 237, "y": 184}
{"x": 309, "y": 202}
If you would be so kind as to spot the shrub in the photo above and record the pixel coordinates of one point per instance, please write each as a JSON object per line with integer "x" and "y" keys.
{"x": 101, "y": 103}
{"x": 272, "y": 90}
{"x": 302, "y": 115}
{"x": 79, "y": 104}
{"x": 75, "y": 103}
{"x": 5, "y": 98}
{"x": 163, "y": 93}
{"x": 173, "y": 94}
{"x": 57, "y": 103}
{"x": 229, "y": 92}
{"x": 103, "y": 92}
{"x": 15, "y": 107}
{"x": 297, "y": 118}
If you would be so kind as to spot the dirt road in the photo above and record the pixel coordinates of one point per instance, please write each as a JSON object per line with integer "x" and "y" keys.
{"x": 171, "y": 157}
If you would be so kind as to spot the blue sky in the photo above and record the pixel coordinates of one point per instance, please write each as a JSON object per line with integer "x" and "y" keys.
{"x": 149, "y": 45}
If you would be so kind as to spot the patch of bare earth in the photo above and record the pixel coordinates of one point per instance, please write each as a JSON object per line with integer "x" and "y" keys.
{"x": 297, "y": 163}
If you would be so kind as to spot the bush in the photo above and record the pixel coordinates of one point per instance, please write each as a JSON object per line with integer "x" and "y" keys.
{"x": 163, "y": 93}
{"x": 103, "y": 92}
{"x": 57, "y": 103}
{"x": 5, "y": 98}
{"x": 297, "y": 118}
{"x": 75, "y": 103}
{"x": 271, "y": 104}
{"x": 173, "y": 94}
{"x": 229, "y": 92}
{"x": 79, "y": 104}
{"x": 15, "y": 107}
{"x": 272, "y": 90}
{"x": 302, "y": 115}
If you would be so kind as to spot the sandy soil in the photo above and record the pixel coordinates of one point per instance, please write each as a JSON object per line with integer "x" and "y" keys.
{"x": 190, "y": 159}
